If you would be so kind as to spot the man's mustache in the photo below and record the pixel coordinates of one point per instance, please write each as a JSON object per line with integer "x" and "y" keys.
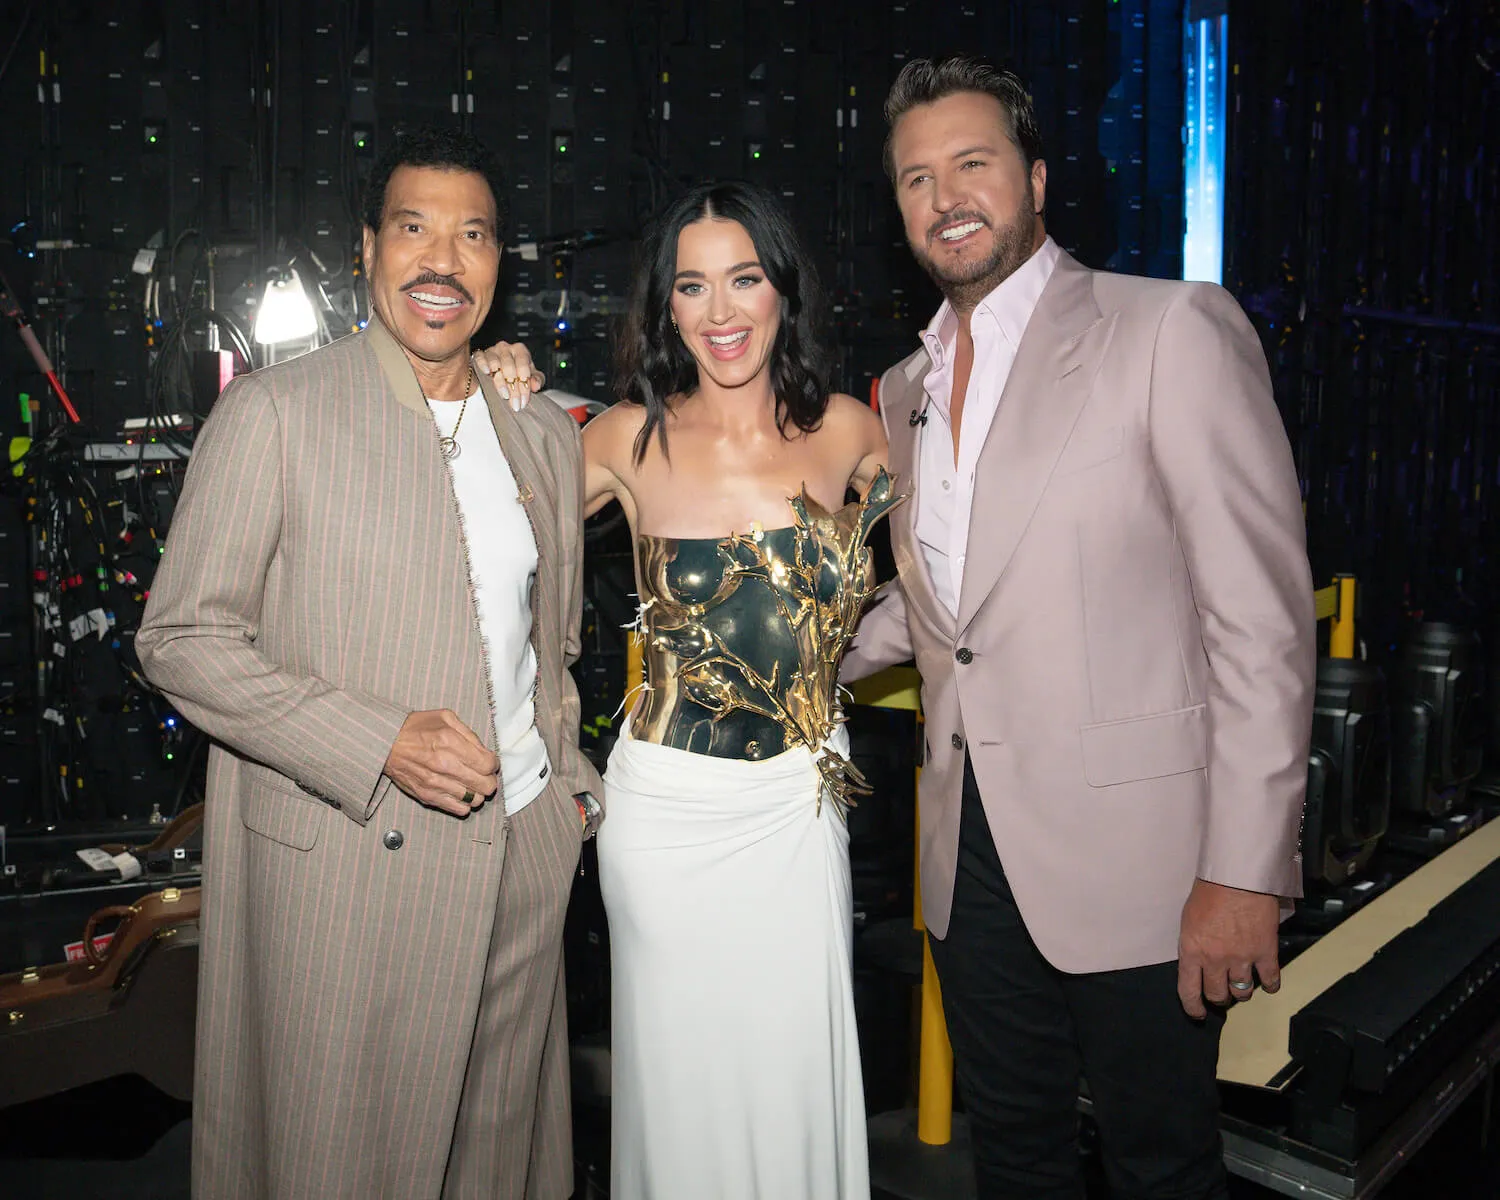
{"x": 955, "y": 218}
{"x": 428, "y": 278}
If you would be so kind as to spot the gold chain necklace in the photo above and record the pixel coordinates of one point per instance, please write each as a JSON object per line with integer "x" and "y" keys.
{"x": 448, "y": 444}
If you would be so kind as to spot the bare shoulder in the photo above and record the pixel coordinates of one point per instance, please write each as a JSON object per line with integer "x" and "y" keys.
{"x": 619, "y": 420}
{"x": 849, "y": 418}
{"x": 614, "y": 431}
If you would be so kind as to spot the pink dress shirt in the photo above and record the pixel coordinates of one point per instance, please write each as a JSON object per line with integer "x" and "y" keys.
{"x": 945, "y": 489}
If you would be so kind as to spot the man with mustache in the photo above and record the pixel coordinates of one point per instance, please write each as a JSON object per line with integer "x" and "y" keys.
{"x": 369, "y": 599}
{"x": 1104, "y": 583}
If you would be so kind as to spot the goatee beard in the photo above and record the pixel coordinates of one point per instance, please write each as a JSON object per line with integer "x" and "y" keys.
{"x": 970, "y": 283}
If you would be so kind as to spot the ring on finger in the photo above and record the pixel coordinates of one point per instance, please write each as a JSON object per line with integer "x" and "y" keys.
{"x": 1241, "y": 986}
{"x": 468, "y": 797}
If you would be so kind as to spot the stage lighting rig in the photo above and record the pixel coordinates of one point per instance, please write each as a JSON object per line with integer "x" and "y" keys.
{"x": 285, "y": 314}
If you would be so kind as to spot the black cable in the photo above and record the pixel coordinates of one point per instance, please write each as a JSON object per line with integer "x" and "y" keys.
{"x": 15, "y": 44}
{"x": 274, "y": 112}
{"x": 180, "y": 306}
{"x": 194, "y": 773}
{"x": 236, "y": 334}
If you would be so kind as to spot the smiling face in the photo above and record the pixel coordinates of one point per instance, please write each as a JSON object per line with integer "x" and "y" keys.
{"x": 971, "y": 208}
{"x": 726, "y": 310}
{"x": 433, "y": 264}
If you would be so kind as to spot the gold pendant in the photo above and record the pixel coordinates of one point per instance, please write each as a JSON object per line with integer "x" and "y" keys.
{"x": 449, "y": 447}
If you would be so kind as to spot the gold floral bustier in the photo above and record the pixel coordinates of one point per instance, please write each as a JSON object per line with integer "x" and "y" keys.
{"x": 743, "y": 635}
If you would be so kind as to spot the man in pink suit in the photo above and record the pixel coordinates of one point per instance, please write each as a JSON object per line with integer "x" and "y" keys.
{"x": 1104, "y": 584}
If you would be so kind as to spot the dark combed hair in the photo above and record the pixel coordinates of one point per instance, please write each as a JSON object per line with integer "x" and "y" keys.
{"x": 446, "y": 149}
{"x": 652, "y": 364}
{"x": 924, "y": 80}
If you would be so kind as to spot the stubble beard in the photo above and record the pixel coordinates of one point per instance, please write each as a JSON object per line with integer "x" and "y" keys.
{"x": 968, "y": 284}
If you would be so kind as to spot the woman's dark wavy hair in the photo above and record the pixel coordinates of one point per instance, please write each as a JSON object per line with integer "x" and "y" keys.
{"x": 652, "y": 363}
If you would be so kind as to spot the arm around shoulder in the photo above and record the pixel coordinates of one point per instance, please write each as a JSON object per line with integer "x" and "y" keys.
{"x": 882, "y": 638}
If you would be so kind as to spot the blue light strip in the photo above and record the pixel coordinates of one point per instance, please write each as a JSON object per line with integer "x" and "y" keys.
{"x": 1205, "y": 77}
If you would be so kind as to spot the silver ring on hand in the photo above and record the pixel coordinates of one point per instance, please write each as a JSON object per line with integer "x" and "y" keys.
{"x": 468, "y": 797}
{"x": 1238, "y": 986}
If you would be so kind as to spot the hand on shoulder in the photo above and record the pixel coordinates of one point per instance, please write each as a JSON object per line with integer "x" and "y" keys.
{"x": 510, "y": 365}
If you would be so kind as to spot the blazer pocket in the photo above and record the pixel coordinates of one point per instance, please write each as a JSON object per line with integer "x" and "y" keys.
{"x": 1170, "y": 743}
{"x": 1091, "y": 450}
{"x": 274, "y": 807}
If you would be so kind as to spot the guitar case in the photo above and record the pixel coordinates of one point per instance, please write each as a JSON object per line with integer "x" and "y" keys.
{"x": 44, "y": 904}
{"x": 127, "y": 1008}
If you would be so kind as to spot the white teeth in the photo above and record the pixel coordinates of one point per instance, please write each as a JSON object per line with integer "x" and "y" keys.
{"x": 432, "y": 301}
{"x": 729, "y": 339}
{"x": 958, "y": 231}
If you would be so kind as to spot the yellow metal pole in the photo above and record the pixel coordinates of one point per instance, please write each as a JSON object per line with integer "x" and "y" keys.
{"x": 1341, "y": 630}
{"x": 900, "y": 687}
{"x": 635, "y": 662}
{"x": 935, "y": 1074}
{"x": 916, "y": 834}
{"x": 934, "y": 1051}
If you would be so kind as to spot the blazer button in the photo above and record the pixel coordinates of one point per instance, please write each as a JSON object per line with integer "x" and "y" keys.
{"x": 394, "y": 839}
{"x": 964, "y": 655}
{"x": 958, "y": 742}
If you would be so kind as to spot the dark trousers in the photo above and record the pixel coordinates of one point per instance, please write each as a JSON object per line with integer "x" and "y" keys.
{"x": 1024, "y": 1033}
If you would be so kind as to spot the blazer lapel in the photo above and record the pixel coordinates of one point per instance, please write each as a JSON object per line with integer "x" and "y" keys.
{"x": 1049, "y": 383}
{"x": 905, "y": 443}
{"x": 533, "y": 480}
{"x": 531, "y": 477}
{"x": 396, "y": 368}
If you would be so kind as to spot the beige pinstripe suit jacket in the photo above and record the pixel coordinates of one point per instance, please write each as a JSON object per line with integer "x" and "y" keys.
{"x": 313, "y": 592}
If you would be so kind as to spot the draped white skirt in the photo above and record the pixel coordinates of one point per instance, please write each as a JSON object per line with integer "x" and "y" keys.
{"x": 734, "y": 1052}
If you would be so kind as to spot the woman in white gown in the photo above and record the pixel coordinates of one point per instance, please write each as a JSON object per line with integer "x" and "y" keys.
{"x": 723, "y": 855}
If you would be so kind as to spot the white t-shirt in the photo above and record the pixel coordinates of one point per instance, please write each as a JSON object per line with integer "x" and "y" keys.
{"x": 502, "y": 564}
